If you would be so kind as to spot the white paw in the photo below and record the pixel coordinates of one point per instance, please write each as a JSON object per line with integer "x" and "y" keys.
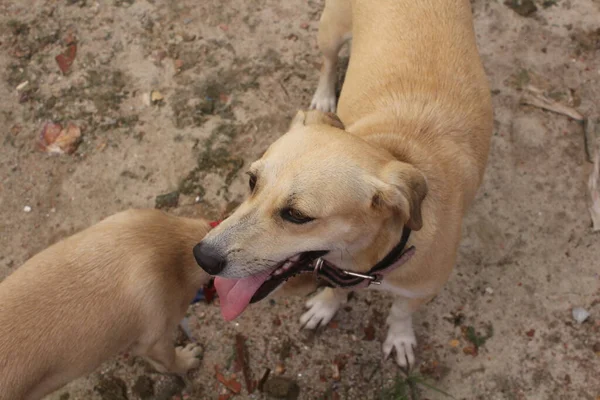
{"x": 404, "y": 342}
{"x": 322, "y": 308}
{"x": 187, "y": 357}
{"x": 324, "y": 100}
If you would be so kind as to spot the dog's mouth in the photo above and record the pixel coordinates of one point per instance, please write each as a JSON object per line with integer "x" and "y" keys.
{"x": 236, "y": 294}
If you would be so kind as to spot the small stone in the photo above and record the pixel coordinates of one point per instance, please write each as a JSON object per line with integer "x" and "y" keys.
{"x": 111, "y": 388}
{"x": 304, "y": 25}
{"x": 454, "y": 343}
{"x": 27, "y": 209}
{"x": 280, "y": 369}
{"x": 171, "y": 386}
{"x": 22, "y": 86}
{"x": 282, "y": 388}
{"x": 143, "y": 387}
{"x": 524, "y": 8}
{"x": 580, "y": 314}
{"x": 489, "y": 290}
{"x": 156, "y": 97}
{"x": 530, "y": 333}
{"x": 336, "y": 372}
{"x": 159, "y": 55}
{"x": 168, "y": 200}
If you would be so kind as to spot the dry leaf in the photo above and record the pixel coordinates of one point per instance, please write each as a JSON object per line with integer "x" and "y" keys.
{"x": 56, "y": 140}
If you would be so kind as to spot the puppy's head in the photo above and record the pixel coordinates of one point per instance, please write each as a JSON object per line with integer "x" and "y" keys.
{"x": 317, "y": 191}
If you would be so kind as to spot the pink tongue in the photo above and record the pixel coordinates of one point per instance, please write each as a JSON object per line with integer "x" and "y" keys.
{"x": 235, "y": 294}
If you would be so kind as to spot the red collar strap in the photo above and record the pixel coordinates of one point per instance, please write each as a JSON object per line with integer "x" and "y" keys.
{"x": 214, "y": 224}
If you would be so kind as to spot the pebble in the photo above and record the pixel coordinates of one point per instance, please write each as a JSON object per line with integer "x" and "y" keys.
{"x": 580, "y": 314}
{"x": 167, "y": 200}
{"x": 22, "y": 86}
{"x": 282, "y": 388}
{"x": 143, "y": 388}
{"x": 27, "y": 209}
{"x": 489, "y": 290}
{"x": 156, "y": 96}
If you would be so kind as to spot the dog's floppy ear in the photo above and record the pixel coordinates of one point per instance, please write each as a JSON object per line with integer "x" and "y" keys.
{"x": 402, "y": 188}
{"x": 316, "y": 117}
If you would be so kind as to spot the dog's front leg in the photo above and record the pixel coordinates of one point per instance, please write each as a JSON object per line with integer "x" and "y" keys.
{"x": 167, "y": 358}
{"x": 401, "y": 335}
{"x": 322, "y": 307}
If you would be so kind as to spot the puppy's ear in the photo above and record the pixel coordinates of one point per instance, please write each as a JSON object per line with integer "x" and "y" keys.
{"x": 401, "y": 188}
{"x": 316, "y": 117}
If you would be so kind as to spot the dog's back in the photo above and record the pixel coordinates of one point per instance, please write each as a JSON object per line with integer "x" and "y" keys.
{"x": 415, "y": 70}
{"x": 403, "y": 48}
{"x": 90, "y": 296}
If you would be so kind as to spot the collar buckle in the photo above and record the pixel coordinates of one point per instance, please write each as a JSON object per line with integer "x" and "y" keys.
{"x": 337, "y": 277}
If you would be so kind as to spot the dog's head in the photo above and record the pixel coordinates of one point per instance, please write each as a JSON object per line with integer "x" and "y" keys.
{"x": 318, "y": 190}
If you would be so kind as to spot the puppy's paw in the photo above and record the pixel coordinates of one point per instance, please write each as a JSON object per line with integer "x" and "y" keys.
{"x": 324, "y": 100}
{"x": 322, "y": 307}
{"x": 187, "y": 357}
{"x": 403, "y": 340}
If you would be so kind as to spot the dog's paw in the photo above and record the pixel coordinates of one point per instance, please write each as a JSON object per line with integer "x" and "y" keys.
{"x": 188, "y": 357}
{"x": 404, "y": 342}
{"x": 322, "y": 307}
{"x": 324, "y": 100}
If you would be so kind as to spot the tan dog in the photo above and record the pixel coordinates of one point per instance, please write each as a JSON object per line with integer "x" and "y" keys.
{"x": 124, "y": 283}
{"x": 408, "y": 150}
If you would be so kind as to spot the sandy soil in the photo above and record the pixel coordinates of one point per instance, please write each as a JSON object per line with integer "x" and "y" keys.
{"x": 231, "y": 75}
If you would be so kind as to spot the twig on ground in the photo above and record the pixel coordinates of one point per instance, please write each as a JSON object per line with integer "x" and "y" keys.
{"x": 242, "y": 360}
{"x": 536, "y": 98}
{"x": 594, "y": 190}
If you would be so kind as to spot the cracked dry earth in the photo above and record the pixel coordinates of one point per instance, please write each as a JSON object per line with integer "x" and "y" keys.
{"x": 226, "y": 78}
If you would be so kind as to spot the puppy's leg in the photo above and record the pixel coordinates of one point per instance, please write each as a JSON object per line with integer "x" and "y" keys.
{"x": 401, "y": 335}
{"x": 335, "y": 29}
{"x": 166, "y": 358}
{"x": 322, "y": 307}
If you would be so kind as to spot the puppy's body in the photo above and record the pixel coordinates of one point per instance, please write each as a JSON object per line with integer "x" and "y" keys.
{"x": 409, "y": 150}
{"x": 124, "y": 283}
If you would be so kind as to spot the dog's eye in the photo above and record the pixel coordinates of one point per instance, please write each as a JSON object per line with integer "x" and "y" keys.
{"x": 252, "y": 181}
{"x": 294, "y": 216}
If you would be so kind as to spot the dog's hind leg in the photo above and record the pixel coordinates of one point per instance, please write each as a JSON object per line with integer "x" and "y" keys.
{"x": 335, "y": 29}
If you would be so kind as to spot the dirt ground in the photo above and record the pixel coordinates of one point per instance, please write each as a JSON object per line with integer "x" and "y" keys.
{"x": 227, "y": 77}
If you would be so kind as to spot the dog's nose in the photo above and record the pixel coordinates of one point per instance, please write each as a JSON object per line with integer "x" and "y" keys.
{"x": 209, "y": 259}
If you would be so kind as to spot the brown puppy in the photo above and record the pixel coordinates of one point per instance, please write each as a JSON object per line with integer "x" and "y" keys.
{"x": 408, "y": 150}
{"x": 124, "y": 283}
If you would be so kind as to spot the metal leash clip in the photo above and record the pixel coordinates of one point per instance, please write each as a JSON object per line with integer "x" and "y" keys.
{"x": 319, "y": 263}
{"x": 373, "y": 279}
